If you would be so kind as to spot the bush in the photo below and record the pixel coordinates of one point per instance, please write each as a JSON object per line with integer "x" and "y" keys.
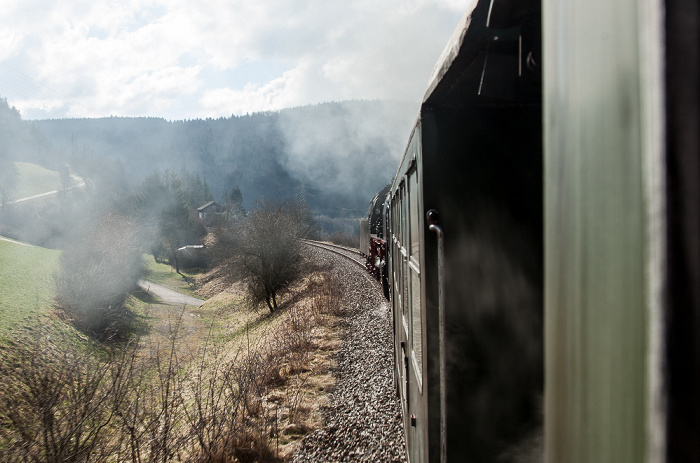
{"x": 56, "y": 404}
{"x": 138, "y": 403}
{"x": 97, "y": 273}
{"x": 271, "y": 250}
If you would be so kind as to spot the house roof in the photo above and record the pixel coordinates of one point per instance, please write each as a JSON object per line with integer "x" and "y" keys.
{"x": 207, "y": 205}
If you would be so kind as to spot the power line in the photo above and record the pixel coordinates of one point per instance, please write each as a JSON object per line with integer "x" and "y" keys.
{"x": 36, "y": 94}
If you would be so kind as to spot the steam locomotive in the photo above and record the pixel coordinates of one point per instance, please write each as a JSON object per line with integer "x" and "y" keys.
{"x": 372, "y": 240}
{"x": 540, "y": 241}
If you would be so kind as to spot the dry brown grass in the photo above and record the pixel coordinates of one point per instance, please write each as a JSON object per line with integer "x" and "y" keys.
{"x": 284, "y": 360}
{"x": 296, "y": 347}
{"x": 220, "y": 383}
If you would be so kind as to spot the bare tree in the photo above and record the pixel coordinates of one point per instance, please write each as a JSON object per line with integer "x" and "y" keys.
{"x": 271, "y": 248}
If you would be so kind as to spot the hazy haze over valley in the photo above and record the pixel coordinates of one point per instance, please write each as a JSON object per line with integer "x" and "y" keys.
{"x": 283, "y": 99}
{"x": 335, "y": 154}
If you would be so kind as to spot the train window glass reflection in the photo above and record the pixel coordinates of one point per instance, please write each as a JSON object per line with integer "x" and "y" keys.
{"x": 395, "y": 257}
{"x": 404, "y": 257}
{"x": 414, "y": 216}
{"x": 416, "y": 327}
{"x": 404, "y": 217}
{"x": 414, "y": 270}
{"x": 394, "y": 249}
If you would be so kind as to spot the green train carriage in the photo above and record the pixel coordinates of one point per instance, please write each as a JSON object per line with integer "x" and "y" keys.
{"x": 548, "y": 309}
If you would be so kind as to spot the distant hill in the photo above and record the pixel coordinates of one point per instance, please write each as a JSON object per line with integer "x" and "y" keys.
{"x": 20, "y": 141}
{"x": 335, "y": 155}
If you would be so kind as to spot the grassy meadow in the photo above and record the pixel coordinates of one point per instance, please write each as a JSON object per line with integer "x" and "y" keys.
{"x": 164, "y": 274}
{"x": 34, "y": 180}
{"x": 26, "y": 281}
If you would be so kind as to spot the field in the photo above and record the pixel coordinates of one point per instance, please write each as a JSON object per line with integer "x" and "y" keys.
{"x": 164, "y": 274}
{"x": 26, "y": 283}
{"x": 34, "y": 180}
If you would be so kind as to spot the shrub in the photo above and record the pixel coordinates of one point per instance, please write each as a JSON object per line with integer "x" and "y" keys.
{"x": 97, "y": 272}
{"x": 271, "y": 250}
{"x": 141, "y": 403}
{"x": 57, "y": 404}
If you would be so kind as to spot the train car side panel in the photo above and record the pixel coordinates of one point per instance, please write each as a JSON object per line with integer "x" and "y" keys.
{"x": 406, "y": 267}
{"x": 487, "y": 190}
{"x": 476, "y": 158}
{"x": 623, "y": 162}
{"x": 599, "y": 404}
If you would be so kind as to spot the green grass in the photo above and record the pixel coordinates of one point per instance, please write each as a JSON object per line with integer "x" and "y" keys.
{"x": 34, "y": 180}
{"x": 164, "y": 274}
{"x": 26, "y": 282}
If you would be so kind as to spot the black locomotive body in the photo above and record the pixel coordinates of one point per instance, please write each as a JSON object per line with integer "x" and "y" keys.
{"x": 373, "y": 239}
{"x": 542, "y": 238}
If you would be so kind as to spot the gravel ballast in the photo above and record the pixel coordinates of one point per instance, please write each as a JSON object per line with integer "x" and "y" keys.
{"x": 363, "y": 420}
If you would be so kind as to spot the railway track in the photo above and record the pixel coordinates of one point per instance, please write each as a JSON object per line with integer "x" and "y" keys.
{"x": 349, "y": 253}
{"x": 362, "y": 418}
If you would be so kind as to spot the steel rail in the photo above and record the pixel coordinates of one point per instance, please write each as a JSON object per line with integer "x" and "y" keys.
{"x": 334, "y": 248}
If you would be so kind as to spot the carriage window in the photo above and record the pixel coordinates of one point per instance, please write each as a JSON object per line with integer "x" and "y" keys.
{"x": 396, "y": 256}
{"x": 394, "y": 233}
{"x": 416, "y": 339}
{"x": 414, "y": 271}
{"x": 414, "y": 216}
{"x": 404, "y": 217}
{"x": 404, "y": 258}
{"x": 399, "y": 214}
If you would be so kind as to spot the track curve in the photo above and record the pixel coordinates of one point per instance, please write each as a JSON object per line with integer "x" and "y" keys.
{"x": 349, "y": 253}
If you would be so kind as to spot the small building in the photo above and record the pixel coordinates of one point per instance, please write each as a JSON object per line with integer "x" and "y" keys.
{"x": 209, "y": 211}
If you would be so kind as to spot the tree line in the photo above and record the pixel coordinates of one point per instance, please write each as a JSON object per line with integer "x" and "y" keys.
{"x": 335, "y": 154}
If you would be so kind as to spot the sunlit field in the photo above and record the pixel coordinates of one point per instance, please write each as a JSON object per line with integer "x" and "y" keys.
{"x": 164, "y": 274}
{"x": 26, "y": 282}
{"x": 34, "y": 180}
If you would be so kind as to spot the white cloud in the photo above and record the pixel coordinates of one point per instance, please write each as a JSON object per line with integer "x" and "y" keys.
{"x": 294, "y": 88}
{"x": 160, "y": 57}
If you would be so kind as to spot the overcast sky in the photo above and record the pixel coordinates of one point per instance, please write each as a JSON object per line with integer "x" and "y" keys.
{"x": 185, "y": 59}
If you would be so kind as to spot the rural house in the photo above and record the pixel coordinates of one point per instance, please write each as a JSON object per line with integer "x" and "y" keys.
{"x": 209, "y": 211}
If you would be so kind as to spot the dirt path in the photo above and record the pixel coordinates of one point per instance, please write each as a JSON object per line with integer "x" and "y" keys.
{"x": 80, "y": 183}
{"x": 169, "y": 296}
{"x": 15, "y": 242}
{"x": 174, "y": 322}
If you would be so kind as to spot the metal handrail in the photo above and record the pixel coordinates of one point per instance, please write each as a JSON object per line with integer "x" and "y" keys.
{"x": 433, "y": 226}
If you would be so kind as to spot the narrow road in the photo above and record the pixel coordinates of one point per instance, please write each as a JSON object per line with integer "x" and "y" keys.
{"x": 2, "y": 238}
{"x": 80, "y": 184}
{"x": 169, "y": 296}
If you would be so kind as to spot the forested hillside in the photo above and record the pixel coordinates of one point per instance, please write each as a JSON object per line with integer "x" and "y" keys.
{"x": 334, "y": 155}
{"x": 20, "y": 141}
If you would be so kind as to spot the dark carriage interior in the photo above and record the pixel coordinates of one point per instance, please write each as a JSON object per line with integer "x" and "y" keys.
{"x": 493, "y": 238}
{"x": 683, "y": 205}
{"x": 494, "y": 268}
